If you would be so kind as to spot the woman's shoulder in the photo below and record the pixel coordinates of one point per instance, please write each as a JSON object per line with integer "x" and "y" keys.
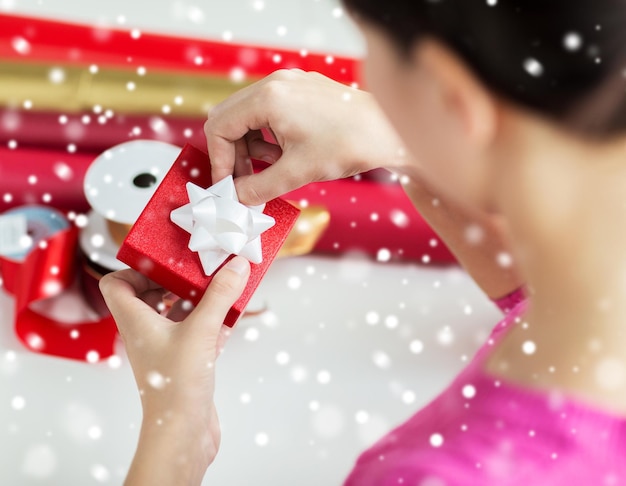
{"x": 482, "y": 431}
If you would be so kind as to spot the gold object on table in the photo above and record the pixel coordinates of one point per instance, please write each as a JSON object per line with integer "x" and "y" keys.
{"x": 71, "y": 89}
{"x": 307, "y": 231}
{"x": 118, "y": 231}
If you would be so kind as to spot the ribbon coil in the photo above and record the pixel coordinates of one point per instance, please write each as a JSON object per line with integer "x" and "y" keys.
{"x": 220, "y": 225}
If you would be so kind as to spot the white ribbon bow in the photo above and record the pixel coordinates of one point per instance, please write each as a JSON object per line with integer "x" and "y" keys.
{"x": 220, "y": 225}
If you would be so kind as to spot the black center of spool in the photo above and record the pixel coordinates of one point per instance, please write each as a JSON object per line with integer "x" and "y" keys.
{"x": 144, "y": 180}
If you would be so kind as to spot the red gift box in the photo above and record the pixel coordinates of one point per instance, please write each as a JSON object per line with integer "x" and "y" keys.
{"x": 158, "y": 248}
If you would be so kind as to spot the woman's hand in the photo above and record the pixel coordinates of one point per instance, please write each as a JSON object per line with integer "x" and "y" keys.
{"x": 173, "y": 358}
{"x": 324, "y": 130}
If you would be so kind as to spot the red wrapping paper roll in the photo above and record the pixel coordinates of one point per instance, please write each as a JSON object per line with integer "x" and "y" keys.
{"x": 90, "y": 132}
{"x": 25, "y": 38}
{"x": 57, "y": 131}
{"x": 30, "y": 176}
{"x": 373, "y": 218}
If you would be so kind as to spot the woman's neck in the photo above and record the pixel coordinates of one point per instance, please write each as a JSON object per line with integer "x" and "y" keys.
{"x": 566, "y": 205}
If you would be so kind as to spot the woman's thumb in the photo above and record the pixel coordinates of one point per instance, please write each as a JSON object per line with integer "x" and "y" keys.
{"x": 223, "y": 291}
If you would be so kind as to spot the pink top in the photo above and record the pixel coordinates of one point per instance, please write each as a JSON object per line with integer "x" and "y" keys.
{"x": 482, "y": 431}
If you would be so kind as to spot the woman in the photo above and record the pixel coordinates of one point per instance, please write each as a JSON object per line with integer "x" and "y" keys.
{"x": 514, "y": 118}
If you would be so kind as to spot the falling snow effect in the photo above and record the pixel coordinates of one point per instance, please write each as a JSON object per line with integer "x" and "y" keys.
{"x": 261, "y": 439}
{"x": 156, "y": 380}
{"x": 282, "y": 358}
{"x": 381, "y": 360}
{"x": 610, "y": 374}
{"x": 40, "y": 462}
{"x": 572, "y": 41}
{"x": 445, "y": 336}
{"x": 383, "y": 255}
{"x": 372, "y": 318}
{"x": 533, "y": 67}
{"x": 21, "y": 45}
{"x": 504, "y": 259}
{"x": 100, "y": 473}
{"x": 323, "y": 377}
{"x": 391, "y": 332}
{"x": 469, "y": 391}
{"x": 408, "y": 397}
{"x": 529, "y": 347}
{"x": 474, "y": 234}
{"x": 416, "y": 346}
{"x": 436, "y": 440}
{"x": 18, "y": 403}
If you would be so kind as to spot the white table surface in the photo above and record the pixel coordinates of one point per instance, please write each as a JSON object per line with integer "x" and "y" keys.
{"x": 302, "y": 388}
{"x": 323, "y": 373}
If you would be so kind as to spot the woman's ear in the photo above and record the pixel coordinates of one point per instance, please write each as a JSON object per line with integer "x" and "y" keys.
{"x": 463, "y": 96}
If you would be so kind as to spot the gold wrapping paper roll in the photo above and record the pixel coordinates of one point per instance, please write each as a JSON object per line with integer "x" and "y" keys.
{"x": 71, "y": 89}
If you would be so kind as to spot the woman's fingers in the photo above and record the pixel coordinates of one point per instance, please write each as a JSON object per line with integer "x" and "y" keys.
{"x": 223, "y": 291}
{"x": 154, "y": 298}
{"x": 180, "y": 310}
{"x": 279, "y": 178}
{"x": 227, "y": 123}
{"x": 304, "y": 113}
{"x": 258, "y": 148}
{"x": 266, "y": 104}
{"x": 122, "y": 292}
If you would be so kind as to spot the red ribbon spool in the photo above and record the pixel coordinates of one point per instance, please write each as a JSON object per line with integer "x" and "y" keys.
{"x": 46, "y": 271}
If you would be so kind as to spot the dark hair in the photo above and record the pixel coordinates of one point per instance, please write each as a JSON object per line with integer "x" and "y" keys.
{"x": 562, "y": 58}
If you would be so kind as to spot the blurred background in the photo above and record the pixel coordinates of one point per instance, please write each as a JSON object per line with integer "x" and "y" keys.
{"x": 360, "y": 322}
